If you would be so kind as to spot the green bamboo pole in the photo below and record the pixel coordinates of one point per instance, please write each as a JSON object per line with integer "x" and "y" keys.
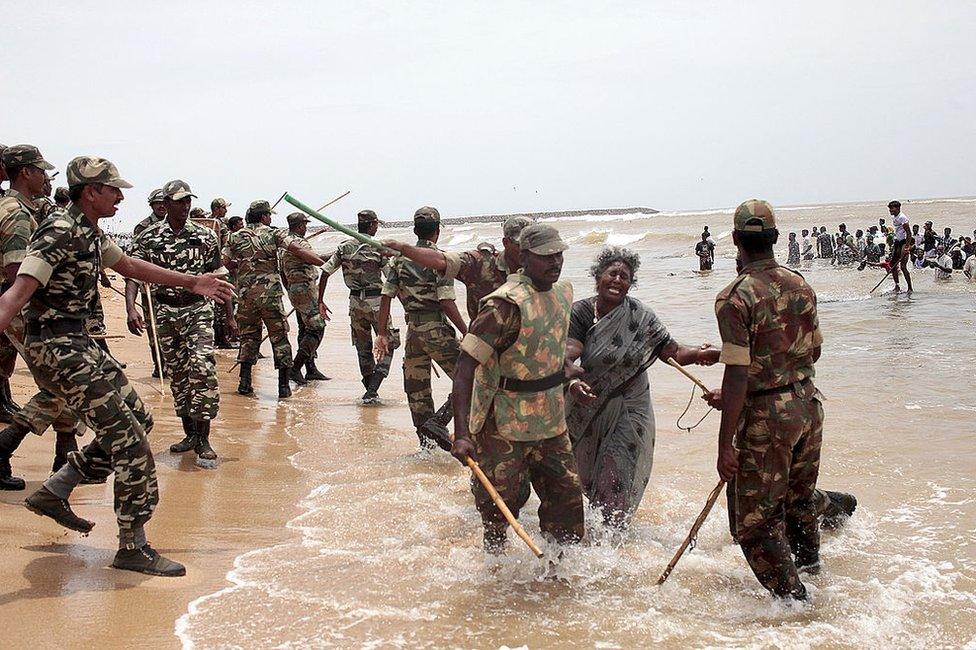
{"x": 366, "y": 239}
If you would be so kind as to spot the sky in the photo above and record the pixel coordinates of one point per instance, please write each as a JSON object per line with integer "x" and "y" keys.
{"x": 500, "y": 107}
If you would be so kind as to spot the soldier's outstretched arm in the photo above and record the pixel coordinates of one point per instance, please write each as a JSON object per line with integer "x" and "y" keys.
{"x": 426, "y": 257}
{"x": 14, "y": 298}
{"x": 208, "y": 284}
{"x": 451, "y": 311}
{"x": 305, "y": 255}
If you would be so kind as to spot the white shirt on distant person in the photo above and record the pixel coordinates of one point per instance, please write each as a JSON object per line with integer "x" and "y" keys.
{"x": 946, "y": 261}
{"x": 899, "y": 222}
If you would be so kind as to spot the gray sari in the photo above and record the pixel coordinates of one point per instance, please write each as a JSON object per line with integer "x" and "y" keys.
{"x": 613, "y": 438}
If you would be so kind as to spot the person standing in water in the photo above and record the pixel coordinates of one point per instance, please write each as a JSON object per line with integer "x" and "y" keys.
{"x": 902, "y": 242}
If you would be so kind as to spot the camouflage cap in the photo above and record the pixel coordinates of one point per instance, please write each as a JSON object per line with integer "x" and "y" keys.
{"x": 156, "y": 196}
{"x": 754, "y": 215}
{"x": 541, "y": 239}
{"x": 367, "y": 216}
{"x": 177, "y": 190}
{"x": 514, "y": 226}
{"x": 260, "y": 207}
{"x": 219, "y": 201}
{"x": 25, "y": 154}
{"x": 87, "y": 170}
{"x": 61, "y": 194}
{"x": 296, "y": 218}
{"x": 198, "y": 213}
{"x": 427, "y": 213}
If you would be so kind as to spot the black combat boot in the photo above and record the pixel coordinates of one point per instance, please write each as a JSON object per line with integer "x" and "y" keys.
{"x": 189, "y": 440}
{"x": 147, "y": 560}
{"x": 284, "y": 388}
{"x": 295, "y": 372}
{"x": 839, "y": 509}
{"x": 312, "y": 373}
{"x": 65, "y": 443}
{"x": 47, "y": 504}
{"x": 206, "y": 456}
{"x": 10, "y": 438}
{"x": 435, "y": 428}
{"x": 245, "y": 388}
{"x": 371, "y": 396}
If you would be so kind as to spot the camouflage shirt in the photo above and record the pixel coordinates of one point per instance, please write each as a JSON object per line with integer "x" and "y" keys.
{"x": 18, "y": 220}
{"x": 192, "y": 250}
{"x": 151, "y": 220}
{"x": 520, "y": 333}
{"x": 482, "y": 271}
{"x": 255, "y": 248}
{"x": 295, "y": 270}
{"x": 65, "y": 256}
{"x": 419, "y": 289}
{"x": 362, "y": 266}
{"x": 768, "y": 321}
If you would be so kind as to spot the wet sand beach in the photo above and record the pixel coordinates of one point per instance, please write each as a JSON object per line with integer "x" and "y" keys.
{"x": 322, "y": 526}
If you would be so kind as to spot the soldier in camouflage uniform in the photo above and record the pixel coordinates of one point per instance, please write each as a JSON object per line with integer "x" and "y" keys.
{"x": 772, "y": 418}
{"x": 157, "y": 203}
{"x": 362, "y": 271}
{"x": 426, "y": 300}
{"x": 482, "y": 270}
{"x": 184, "y": 320}
{"x": 301, "y": 279}
{"x": 58, "y": 277}
{"x": 509, "y": 402}
{"x": 8, "y": 355}
{"x": 254, "y": 249}
{"x": 19, "y": 210}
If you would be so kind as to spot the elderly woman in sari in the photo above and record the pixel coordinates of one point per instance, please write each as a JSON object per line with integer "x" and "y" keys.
{"x": 616, "y": 338}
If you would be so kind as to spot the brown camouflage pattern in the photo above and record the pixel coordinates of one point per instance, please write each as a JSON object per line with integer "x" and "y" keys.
{"x": 482, "y": 271}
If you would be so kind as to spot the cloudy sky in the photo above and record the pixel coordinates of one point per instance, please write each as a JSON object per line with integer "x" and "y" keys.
{"x": 502, "y": 106}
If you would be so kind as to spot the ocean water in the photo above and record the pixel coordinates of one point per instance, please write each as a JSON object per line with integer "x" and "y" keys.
{"x": 386, "y": 552}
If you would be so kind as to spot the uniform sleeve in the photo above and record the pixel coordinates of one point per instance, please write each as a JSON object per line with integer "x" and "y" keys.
{"x": 215, "y": 264}
{"x": 493, "y": 330}
{"x": 17, "y": 234}
{"x": 49, "y": 247}
{"x": 733, "y": 327}
{"x": 334, "y": 262}
{"x": 459, "y": 265}
{"x": 445, "y": 288}
{"x": 282, "y": 238}
{"x": 391, "y": 286}
{"x": 138, "y": 249}
{"x": 111, "y": 253}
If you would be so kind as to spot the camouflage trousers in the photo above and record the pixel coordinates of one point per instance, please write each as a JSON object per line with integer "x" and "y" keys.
{"x": 311, "y": 326}
{"x": 186, "y": 340}
{"x": 776, "y": 510}
{"x": 426, "y": 343}
{"x": 96, "y": 318}
{"x": 74, "y": 369}
{"x": 44, "y": 409}
{"x": 547, "y": 465}
{"x": 362, "y": 322}
{"x": 254, "y": 310}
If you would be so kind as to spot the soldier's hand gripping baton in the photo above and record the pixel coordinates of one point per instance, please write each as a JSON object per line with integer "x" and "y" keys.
{"x": 693, "y": 533}
{"x": 237, "y": 363}
{"x": 500, "y": 504}
{"x": 366, "y": 239}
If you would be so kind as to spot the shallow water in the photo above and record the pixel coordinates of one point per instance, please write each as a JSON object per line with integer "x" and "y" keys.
{"x": 387, "y": 552}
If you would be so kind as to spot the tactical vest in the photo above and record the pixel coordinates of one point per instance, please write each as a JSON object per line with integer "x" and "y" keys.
{"x": 537, "y": 354}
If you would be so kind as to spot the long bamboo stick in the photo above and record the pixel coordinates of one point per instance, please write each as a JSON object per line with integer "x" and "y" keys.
{"x": 500, "y": 503}
{"x": 677, "y": 366}
{"x": 693, "y": 533}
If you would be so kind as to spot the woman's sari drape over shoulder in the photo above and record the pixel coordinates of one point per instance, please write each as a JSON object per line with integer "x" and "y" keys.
{"x": 613, "y": 438}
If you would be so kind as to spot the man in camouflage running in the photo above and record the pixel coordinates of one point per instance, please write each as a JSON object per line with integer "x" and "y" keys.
{"x": 57, "y": 278}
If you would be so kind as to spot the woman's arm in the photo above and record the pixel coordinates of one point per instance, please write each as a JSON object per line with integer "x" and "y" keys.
{"x": 703, "y": 355}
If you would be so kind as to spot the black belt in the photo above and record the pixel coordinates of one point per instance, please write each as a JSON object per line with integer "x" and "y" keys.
{"x": 785, "y": 388}
{"x": 178, "y": 301}
{"x": 365, "y": 293}
{"x": 532, "y": 385}
{"x": 58, "y": 327}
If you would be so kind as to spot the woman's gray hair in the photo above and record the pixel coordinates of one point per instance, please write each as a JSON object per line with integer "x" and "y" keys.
{"x": 612, "y": 254}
